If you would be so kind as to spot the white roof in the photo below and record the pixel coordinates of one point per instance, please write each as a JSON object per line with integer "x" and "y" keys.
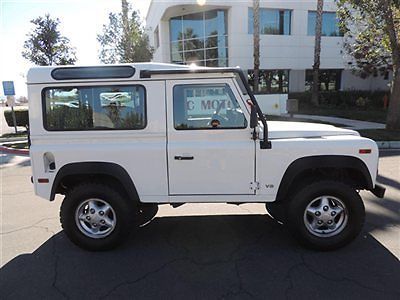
{"x": 38, "y": 75}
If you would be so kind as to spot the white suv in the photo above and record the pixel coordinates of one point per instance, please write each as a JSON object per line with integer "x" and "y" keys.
{"x": 118, "y": 140}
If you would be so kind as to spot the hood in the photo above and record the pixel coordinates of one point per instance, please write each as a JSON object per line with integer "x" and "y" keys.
{"x": 283, "y": 130}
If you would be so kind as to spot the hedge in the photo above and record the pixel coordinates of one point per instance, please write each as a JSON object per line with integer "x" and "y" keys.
{"x": 21, "y": 117}
{"x": 362, "y": 100}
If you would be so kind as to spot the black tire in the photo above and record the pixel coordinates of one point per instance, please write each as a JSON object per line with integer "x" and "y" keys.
{"x": 123, "y": 208}
{"x": 339, "y": 237}
{"x": 147, "y": 211}
{"x": 277, "y": 211}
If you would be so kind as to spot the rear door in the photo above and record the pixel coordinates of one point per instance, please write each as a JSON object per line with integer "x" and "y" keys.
{"x": 210, "y": 150}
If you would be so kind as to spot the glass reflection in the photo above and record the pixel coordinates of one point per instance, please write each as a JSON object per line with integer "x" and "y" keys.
{"x": 175, "y": 27}
{"x": 193, "y": 25}
{"x": 199, "y": 38}
{"x": 272, "y": 21}
{"x": 330, "y": 25}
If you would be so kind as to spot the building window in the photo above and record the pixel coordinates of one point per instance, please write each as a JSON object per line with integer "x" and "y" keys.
{"x": 94, "y": 108}
{"x": 156, "y": 38}
{"x": 270, "y": 81}
{"x": 330, "y": 24}
{"x": 200, "y": 38}
{"x": 272, "y": 21}
{"x": 329, "y": 80}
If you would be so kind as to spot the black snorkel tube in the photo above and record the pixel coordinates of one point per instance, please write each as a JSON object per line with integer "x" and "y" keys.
{"x": 265, "y": 143}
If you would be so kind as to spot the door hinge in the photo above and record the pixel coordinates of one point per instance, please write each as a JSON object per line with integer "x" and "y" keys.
{"x": 255, "y": 135}
{"x": 254, "y": 186}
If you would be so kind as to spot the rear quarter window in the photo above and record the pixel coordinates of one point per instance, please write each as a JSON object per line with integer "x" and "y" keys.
{"x": 94, "y": 108}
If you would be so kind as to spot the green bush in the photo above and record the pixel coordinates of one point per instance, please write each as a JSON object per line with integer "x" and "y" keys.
{"x": 361, "y": 100}
{"x": 21, "y": 117}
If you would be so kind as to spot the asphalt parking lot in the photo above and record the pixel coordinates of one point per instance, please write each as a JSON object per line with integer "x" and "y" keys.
{"x": 195, "y": 251}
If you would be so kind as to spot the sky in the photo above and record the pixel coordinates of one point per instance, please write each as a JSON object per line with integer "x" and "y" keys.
{"x": 81, "y": 21}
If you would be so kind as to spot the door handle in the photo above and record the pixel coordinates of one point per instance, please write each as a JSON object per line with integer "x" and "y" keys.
{"x": 184, "y": 157}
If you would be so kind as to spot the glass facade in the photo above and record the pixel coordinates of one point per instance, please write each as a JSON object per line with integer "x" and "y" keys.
{"x": 270, "y": 81}
{"x": 200, "y": 38}
{"x": 329, "y": 79}
{"x": 330, "y": 24}
{"x": 272, "y": 21}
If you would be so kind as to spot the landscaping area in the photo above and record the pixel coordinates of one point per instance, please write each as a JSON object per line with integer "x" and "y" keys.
{"x": 19, "y": 145}
{"x": 22, "y": 134}
{"x": 21, "y": 117}
{"x": 356, "y": 105}
{"x": 380, "y": 134}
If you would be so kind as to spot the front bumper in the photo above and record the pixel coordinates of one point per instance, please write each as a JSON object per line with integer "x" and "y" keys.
{"x": 378, "y": 191}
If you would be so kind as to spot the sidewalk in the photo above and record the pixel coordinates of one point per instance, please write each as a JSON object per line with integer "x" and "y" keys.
{"x": 349, "y": 123}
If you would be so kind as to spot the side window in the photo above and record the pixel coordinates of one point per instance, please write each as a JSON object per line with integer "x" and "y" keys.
{"x": 91, "y": 108}
{"x": 206, "y": 107}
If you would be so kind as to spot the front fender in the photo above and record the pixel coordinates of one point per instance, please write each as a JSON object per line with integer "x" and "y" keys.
{"x": 302, "y": 165}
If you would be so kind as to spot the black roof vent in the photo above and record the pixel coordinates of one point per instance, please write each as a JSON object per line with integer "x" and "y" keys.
{"x": 104, "y": 72}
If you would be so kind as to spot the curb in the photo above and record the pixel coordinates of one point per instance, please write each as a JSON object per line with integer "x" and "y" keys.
{"x": 14, "y": 151}
{"x": 388, "y": 144}
{"x": 12, "y": 140}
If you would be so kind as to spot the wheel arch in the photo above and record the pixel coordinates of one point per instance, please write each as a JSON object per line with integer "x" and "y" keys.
{"x": 347, "y": 169}
{"x": 74, "y": 172}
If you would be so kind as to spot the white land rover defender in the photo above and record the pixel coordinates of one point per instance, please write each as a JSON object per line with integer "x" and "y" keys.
{"x": 119, "y": 140}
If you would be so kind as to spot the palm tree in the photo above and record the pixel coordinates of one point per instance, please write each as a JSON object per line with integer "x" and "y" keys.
{"x": 256, "y": 38}
{"x": 317, "y": 53}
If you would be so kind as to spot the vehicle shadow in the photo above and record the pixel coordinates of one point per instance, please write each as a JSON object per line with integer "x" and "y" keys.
{"x": 386, "y": 153}
{"x": 15, "y": 160}
{"x": 205, "y": 257}
{"x": 388, "y": 182}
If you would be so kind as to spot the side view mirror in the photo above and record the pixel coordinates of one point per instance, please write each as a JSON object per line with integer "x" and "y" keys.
{"x": 253, "y": 117}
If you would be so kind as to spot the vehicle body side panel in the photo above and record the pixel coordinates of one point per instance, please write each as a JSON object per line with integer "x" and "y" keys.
{"x": 273, "y": 163}
{"x": 222, "y": 159}
{"x": 142, "y": 153}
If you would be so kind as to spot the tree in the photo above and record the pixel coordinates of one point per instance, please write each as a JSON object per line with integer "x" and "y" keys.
{"x": 317, "y": 52}
{"x": 256, "y": 42}
{"x": 372, "y": 31}
{"x": 46, "y": 46}
{"x": 124, "y": 39}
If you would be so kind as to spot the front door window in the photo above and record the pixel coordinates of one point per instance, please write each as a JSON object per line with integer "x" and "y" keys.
{"x": 206, "y": 107}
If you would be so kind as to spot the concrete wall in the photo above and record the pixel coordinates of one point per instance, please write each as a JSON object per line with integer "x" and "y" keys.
{"x": 296, "y": 80}
{"x": 293, "y": 51}
{"x": 272, "y": 104}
